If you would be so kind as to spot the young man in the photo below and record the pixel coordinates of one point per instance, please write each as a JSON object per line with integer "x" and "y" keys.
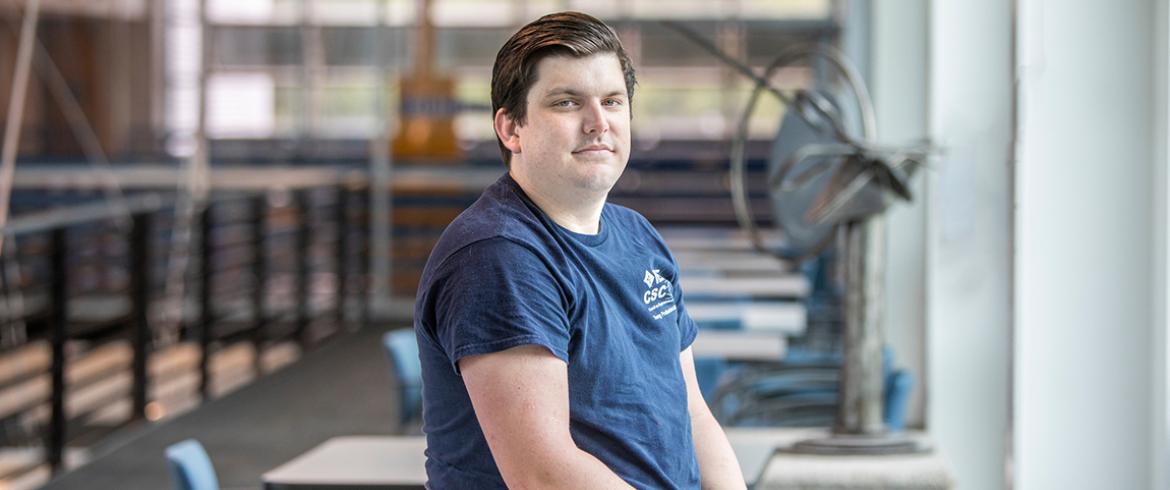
{"x": 554, "y": 341}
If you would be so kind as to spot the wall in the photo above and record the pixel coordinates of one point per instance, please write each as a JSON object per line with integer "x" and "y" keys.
{"x": 969, "y": 237}
{"x": 1090, "y": 235}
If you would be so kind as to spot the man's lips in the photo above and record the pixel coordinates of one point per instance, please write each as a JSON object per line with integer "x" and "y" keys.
{"x": 593, "y": 148}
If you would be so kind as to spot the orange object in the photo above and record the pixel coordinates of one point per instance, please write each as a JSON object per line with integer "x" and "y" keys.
{"x": 427, "y": 105}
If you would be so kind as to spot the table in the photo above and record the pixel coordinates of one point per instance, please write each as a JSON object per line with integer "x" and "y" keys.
{"x": 789, "y": 286}
{"x": 783, "y": 316}
{"x": 787, "y": 471}
{"x": 730, "y": 262}
{"x": 355, "y": 462}
{"x": 397, "y": 462}
{"x": 740, "y": 345}
{"x": 710, "y": 238}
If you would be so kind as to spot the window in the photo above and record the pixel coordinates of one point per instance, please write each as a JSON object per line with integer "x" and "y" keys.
{"x": 315, "y": 66}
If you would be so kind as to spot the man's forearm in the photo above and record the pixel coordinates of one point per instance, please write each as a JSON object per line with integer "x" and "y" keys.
{"x": 718, "y": 465}
{"x": 570, "y": 470}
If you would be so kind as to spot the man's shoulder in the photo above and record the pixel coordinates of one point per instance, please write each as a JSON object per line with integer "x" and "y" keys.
{"x": 628, "y": 218}
{"x": 496, "y": 217}
{"x": 633, "y": 223}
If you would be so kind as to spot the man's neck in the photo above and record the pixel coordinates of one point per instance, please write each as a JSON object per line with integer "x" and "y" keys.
{"x": 576, "y": 211}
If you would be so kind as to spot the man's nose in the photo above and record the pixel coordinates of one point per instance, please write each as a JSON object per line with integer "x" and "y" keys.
{"x": 595, "y": 118}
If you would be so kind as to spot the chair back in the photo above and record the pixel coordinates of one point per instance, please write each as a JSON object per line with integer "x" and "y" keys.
{"x": 402, "y": 349}
{"x": 190, "y": 466}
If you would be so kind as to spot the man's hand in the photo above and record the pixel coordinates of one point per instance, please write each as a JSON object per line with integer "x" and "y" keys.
{"x": 718, "y": 467}
{"x": 521, "y": 399}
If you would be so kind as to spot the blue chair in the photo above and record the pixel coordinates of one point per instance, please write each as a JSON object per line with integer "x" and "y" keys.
{"x": 402, "y": 350}
{"x": 190, "y": 466}
{"x": 802, "y": 392}
{"x": 899, "y": 385}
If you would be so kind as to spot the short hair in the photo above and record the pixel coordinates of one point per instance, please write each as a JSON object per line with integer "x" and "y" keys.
{"x": 562, "y": 34}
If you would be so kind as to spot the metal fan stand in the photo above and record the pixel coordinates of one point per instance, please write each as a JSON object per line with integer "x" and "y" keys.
{"x": 859, "y": 230}
{"x": 859, "y": 427}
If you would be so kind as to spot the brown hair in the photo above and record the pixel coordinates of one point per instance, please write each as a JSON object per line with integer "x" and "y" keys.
{"x": 564, "y": 33}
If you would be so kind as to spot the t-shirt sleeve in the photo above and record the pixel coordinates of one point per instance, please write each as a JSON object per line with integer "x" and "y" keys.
{"x": 687, "y": 329}
{"x": 496, "y": 294}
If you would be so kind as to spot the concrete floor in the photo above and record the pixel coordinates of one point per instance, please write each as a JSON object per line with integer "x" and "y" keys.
{"x": 341, "y": 388}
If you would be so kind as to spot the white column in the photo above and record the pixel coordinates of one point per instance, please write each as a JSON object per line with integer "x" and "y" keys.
{"x": 1090, "y": 238}
{"x": 1160, "y": 345}
{"x": 897, "y": 73}
{"x": 969, "y": 237}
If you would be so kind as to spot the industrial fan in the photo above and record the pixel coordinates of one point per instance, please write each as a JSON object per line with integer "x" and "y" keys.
{"x": 829, "y": 184}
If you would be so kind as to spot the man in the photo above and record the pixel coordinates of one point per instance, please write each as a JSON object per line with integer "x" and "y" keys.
{"x": 554, "y": 341}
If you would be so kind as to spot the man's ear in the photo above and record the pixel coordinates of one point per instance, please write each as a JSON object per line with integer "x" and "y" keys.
{"x": 506, "y": 130}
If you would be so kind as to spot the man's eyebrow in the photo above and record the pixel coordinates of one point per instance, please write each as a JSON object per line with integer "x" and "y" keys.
{"x": 561, "y": 91}
{"x": 555, "y": 91}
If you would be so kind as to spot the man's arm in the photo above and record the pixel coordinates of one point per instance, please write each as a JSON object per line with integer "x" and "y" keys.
{"x": 521, "y": 399}
{"x": 718, "y": 467}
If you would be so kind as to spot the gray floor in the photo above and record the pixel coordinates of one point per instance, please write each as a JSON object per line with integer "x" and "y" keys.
{"x": 341, "y": 388}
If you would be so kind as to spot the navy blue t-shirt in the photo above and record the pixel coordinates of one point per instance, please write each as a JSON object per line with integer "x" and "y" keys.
{"x": 609, "y": 305}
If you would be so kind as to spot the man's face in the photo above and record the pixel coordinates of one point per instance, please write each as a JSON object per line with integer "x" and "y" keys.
{"x": 577, "y": 133}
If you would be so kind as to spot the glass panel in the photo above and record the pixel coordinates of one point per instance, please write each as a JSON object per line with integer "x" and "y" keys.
{"x": 681, "y": 9}
{"x": 349, "y": 46}
{"x": 537, "y": 8}
{"x": 699, "y": 106}
{"x": 288, "y": 108}
{"x": 684, "y": 91}
{"x": 345, "y": 12}
{"x": 764, "y": 45}
{"x": 254, "y": 12}
{"x": 240, "y": 105}
{"x": 475, "y": 90}
{"x": 348, "y": 108}
{"x": 499, "y": 13}
{"x": 257, "y": 45}
{"x": 789, "y": 9}
{"x": 602, "y": 9}
{"x": 662, "y": 46}
{"x": 400, "y": 12}
{"x": 458, "y": 48}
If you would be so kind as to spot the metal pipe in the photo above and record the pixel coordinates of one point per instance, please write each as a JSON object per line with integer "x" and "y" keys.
{"x": 259, "y": 278}
{"x": 367, "y": 279}
{"x": 342, "y": 255}
{"x": 380, "y": 201}
{"x": 304, "y": 263}
{"x": 58, "y": 332}
{"x": 860, "y": 409}
{"x": 205, "y": 313}
{"x": 83, "y": 131}
{"x": 15, "y": 120}
{"x": 140, "y": 275}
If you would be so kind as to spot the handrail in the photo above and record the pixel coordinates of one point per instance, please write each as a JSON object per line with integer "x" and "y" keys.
{"x": 136, "y": 220}
{"x": 85, "y": 213}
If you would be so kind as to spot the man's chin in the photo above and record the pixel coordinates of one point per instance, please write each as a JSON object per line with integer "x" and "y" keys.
{"x": 600, "y": 182}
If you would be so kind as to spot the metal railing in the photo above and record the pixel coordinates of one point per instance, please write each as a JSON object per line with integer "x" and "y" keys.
{"x": 265, "y": 268}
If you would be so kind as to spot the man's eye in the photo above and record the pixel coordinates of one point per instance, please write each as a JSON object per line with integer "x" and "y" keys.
{"x": 564, "y": 103}
{"x": 613, "y": 102}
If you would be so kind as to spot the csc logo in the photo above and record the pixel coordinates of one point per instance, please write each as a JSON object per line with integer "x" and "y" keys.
{"x": 653, "y": 294}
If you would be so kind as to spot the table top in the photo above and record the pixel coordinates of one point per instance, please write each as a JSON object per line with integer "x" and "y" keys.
{"x": 786, "y": 470}
{"x": 355, "y": 462}
{"x": 730, "y": 261}
{"x": 706, "y": 238}
{"x": 397, "y": 462}
{"x": 740, "y": 345}
{"x": 784, "y": 316}
{"x": 789, "y": 286}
